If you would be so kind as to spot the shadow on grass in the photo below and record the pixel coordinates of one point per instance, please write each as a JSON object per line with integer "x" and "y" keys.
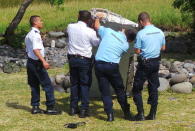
{"x": 95, "y": 108}
{"x": 15, "y": 105}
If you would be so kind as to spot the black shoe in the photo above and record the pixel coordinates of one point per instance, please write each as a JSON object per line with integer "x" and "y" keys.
{"x": 110, "y": 117}
{"x": 37, "y": 110}
{"x": 152, "y": 114}
{"x": 127, "y": 113}
{"x": 52, "y": 111}
{"x": 73, "y": 111}
{"x": 139, "y": 117}
{"x": 84, "y": 113}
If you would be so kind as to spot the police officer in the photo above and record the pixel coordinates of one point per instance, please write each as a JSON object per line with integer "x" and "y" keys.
{"x": 36, "y": 69}
{"x": 81, "y": 40}
{"x": 113, "y": 45}
{"x": 149, "y": 42}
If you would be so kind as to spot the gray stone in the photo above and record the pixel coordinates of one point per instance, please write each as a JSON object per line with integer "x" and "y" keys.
{"x": 188, "y": 65}
{"x": 184, "y": 71}
{"x": 192, "y": 80}
{"x": 174, "y": 68}
{"x": 61, "y": 43}
{"x": 66, "y": 82}
{"x": 11, "y": 68}
{"x": 164, "y": 73}
{"x": 166, "y": 63}
{"x": 164, "y": 84}
{"x": 59, "y": 79}
{"x": 185, "y": 87}
{"x": 53, "y": 82}
{"x": 178, "y": 78}
{"x": 56, "y": 34}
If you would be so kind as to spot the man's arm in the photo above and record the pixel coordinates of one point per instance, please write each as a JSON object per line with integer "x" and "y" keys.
{"x": 97, "y": 20}
{"x": 38, "y": 54}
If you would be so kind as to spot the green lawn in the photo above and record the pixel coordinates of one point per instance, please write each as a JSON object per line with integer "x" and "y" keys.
{"x": 162, "y": 12}
{"x": 176, "y": 112}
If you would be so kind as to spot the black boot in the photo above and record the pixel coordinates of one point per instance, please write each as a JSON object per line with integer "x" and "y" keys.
{"x": 152, "y": 114}
{"x": 37, "y": 110}
{"x": 140, "y": 115}
{"x": 73, "y": 111}
{"x": 84, "y": 113}
{"x": 110, "y": 117}
{"x": 127, "y": 113}
{"x": 52, "y": 111}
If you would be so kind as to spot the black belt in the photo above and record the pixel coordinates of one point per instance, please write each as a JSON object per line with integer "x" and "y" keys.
{"x": 140, "y": 58}
{"x": 78, "y": 56}
{"x": 32, "y": 60}
{"x": 104, "y": 62}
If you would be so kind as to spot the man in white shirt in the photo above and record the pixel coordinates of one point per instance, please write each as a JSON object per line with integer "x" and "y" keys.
{"x": 36, "y": 69}
{"x": 81, "y": 40}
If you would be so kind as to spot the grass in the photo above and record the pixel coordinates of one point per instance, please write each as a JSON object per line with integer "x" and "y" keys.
{"x": 176, "y": 112}
{"x": 162, "y": 12}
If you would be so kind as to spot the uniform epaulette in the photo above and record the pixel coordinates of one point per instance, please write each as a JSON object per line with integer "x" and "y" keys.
{"x": 36, "y": 31}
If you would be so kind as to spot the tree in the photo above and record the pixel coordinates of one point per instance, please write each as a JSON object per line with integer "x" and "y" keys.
{"x": 186, "y": 6}
{"x": 9, "y": 33}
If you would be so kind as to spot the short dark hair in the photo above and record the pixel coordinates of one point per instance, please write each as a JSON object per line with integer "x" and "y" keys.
{"x": 144, "y": 16}
{"x": 33, "y": 19}
{"x": 84, "y": 15}
{"x": 130, "y": 34}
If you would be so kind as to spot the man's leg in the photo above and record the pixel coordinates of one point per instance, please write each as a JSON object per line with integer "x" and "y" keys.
{"x": 35, "y": 88}
{"x": 117, "y": 83}
{"x": 138, "y": 83}
{"x": 104, "y": 88}
{"x": 84, "y": 70}
{"x": 153, "y": 84}
{"x": 48, "y": 88}
{"x": 75, "y": 92}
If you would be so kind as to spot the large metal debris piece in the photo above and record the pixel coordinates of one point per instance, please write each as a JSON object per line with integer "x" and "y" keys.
{"x": 113, "y": 20}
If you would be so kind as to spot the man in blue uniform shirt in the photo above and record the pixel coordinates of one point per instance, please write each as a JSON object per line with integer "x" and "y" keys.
{"x": 149, "y": 42}
{"x": 113, "y": 45}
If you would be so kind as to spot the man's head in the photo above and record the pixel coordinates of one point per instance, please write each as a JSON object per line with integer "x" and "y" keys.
{"x": 130, "y": 34}
{"x": 144, "y": 19}
{"x": 35, "y": 21}
{"x": 84, "y": 16}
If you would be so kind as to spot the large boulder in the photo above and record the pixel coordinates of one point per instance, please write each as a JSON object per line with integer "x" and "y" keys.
{"x": 61, "y": 43}
{"x": 178, "y": 78}
{"x": 164, "y": 84}
{"x": 184, "y": 87}
{"x": 56, "y": 34}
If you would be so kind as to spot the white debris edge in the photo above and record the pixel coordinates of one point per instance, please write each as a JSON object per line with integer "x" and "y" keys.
{"x": 112, "y": 17}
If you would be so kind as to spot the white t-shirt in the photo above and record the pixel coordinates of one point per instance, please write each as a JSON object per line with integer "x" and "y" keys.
{"x": 81, "y": 39}
{"x": 33, "y": 41}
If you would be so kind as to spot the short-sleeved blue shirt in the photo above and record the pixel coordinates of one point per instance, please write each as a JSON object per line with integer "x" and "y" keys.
{"x": 150, "y": 41}
{"x": 113, "y": 45}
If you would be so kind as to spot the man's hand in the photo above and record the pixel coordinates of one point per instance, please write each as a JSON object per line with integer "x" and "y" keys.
{"x": 46, "y": 65}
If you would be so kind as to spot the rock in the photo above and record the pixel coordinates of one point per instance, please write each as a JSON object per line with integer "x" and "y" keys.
{"x": 185, "y": 87}
{"x": 178, "y": 78}
{"x": 184, "y": 71}
{"x": 192, "y": 80}
{"x": 166, "y": 63}
{"x": 164, "y": 84}
{"x": 56, "y": 34}
{"x": 164, "y": 73}
{"x": 174, "y": 68}
{"x": 11, "y": 68}
{"x": 53, "y": 82}
{"x": 61, "y": 43}
{"x": 188, "y": 65}
{"x": 59, "y": 88}
{"x": 59, "y": 79}
{"x": 66, "y": 82}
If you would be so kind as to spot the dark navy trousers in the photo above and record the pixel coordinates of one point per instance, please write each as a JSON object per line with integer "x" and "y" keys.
{"x": 108, "y": 73}
{"x": 147, "y": 70}
{"x": 37, "y": 76}
{"x": 80, "y": 78}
